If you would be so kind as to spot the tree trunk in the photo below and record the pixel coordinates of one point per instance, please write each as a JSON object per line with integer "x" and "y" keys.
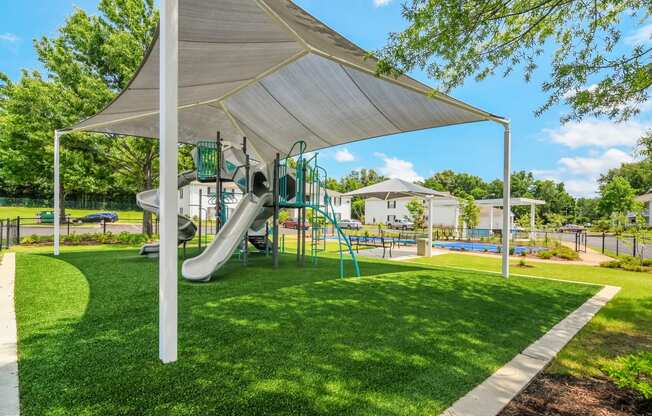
{"x": 62, "y": 201}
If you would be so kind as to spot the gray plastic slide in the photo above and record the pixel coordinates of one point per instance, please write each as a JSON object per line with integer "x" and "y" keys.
{"x": 228, "y": 239}
{"x": 148, "y": 200}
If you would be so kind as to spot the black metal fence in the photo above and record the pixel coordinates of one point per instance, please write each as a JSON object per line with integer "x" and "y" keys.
{"x": 9, "y": 233}
{"x": 34, "y": 230}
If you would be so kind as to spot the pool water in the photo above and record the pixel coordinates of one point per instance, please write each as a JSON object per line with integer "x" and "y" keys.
{"x": 482, "y": 247}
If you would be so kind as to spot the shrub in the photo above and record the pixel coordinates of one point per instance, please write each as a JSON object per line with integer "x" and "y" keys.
{"x": 611, "y": 264}
{"x": 545, "y": 254}
{"x": 634, "y": 372}
{"x": 566, "y": 253}
{"x": 629, "y": 263}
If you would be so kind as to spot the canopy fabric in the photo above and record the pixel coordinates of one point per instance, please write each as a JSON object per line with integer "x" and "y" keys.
{"x": 267, "y": 70}
{"x": 396, "y": 188}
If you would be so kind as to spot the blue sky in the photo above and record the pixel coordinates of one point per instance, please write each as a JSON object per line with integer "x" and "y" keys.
{"x": 575, "y": 153}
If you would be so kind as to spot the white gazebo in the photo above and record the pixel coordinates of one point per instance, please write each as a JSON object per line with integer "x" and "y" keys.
{"x": 513, "y": 202}
{"x": 267, "y": 70}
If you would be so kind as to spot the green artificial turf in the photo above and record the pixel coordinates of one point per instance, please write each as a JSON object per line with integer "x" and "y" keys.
{"x": 401, "y": 340}
{"x": 623, "y": 326}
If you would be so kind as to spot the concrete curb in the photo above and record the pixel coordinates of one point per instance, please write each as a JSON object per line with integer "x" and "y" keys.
{"x": 493, "y": 394}
{"x": 9, "y": 402}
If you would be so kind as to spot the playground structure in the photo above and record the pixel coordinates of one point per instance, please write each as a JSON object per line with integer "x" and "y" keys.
{"x": 269, "y": 71}
{"x": 296, "y": 182}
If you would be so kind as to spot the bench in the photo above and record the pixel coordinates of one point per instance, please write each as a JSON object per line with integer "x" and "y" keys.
{"x": 386, "y": 243}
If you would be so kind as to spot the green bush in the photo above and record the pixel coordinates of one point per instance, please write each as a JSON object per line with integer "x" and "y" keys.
{"x": 633, "y": 372}
{"x": 90, "y": 238}
{"x": 545, "y": 254}
{"x": 630, "y": 263}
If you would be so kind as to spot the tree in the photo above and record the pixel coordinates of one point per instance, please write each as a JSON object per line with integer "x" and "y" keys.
{"x": 638, "y": 174}
{"x": 417, "y": 212}
{"x": 470, "y": 213}
{"x": 617, "y": 197}
{"x": 457, "y": 40}
{"x": 91, "y": 59}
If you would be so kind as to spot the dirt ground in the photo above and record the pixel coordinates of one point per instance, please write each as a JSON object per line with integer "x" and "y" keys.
{"x": 555, "y": 395}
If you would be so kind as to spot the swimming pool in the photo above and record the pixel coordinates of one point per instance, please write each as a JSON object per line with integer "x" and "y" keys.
{"x": 483, "y": 247}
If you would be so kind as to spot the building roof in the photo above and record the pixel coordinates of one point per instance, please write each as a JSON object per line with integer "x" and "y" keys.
{"x": 396, "y": 188}
{"x": 268, "y": 70}
{"x": 498, "y": 202}
{"x": 646, "y": 197}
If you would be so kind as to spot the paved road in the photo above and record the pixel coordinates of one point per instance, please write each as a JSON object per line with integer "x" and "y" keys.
{"x": 612, "y": 244}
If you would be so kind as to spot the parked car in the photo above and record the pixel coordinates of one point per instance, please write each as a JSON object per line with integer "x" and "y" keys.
{"x": 571, "y": 228}
{"x": 401, "y": 224}
{"x": 350, "y": 224}
{"x": 294, "y": 224}
{"x": 45, "y": 217}
{"x": 99, "y": 217}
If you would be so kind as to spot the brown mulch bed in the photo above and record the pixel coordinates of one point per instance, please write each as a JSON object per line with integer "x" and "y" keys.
{"x": 556, "y": 395}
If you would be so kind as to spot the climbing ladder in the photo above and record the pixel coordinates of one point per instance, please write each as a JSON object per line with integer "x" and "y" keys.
{"x": 311, "y": 177}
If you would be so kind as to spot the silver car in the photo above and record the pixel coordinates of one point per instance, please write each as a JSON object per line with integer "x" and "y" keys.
{"x": 350, "y": 224}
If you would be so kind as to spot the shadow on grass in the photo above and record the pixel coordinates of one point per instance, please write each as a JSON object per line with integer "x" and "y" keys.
{"x": 297, "y": 340}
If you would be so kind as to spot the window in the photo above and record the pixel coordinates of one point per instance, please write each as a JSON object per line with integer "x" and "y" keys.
{"x": 181, "y": 210}
{"x": 391, "y": 204}
{"x": 181, "y": 193}
{"x": 391, "y": 218}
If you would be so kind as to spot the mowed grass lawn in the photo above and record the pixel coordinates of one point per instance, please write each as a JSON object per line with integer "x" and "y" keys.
{"x": 623, "y": 326}
{"x": 25, "y": 212}
{"x": 401, "y": 340}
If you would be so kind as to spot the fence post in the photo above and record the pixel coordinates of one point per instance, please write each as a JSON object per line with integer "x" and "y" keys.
{"x": 603, "y": 237}
{"x": 617, "y": 246}
{"x": 18, "y": 230}
{"x": 8, "y": 227}
{"x": 634, "y": 246}
{"x": 103, "y": 225}
{"x": 1, "y": 232}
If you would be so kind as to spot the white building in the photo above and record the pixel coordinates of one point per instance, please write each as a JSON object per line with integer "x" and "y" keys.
{"x": 341, "y": 205}
{"x": 647, "y": 200}
{"x": 446, "y": 212}
{"x": 381, "y": 209}
{"x": 189, "y": 201}
{"x": 189, "y": 204}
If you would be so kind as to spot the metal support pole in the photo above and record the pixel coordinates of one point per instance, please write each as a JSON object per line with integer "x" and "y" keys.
{"x": 276, "y": 210}
{"x": 506, "y": 196}
{"x": 199, "y": 228}
{"x": 248, "y": 190}
{"x": 430, "y": 222}
{"x": 169, "y": 130}
{"x": 57, "y": 192}
{"x": 218, "y": 183}
{"x": 603, "y": 236}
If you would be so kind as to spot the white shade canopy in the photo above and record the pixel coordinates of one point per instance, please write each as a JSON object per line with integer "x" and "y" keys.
{"x": 396, "y": 188}
{"x": 267, "y": 70}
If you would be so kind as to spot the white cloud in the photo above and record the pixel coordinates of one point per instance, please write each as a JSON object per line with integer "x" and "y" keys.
{"x": 381, "y": 3}
{"x": 586, "y": 188}
{"x": 594, "y": 166}
{"x": 571, "y": 94}
{"x": 598, "y": 133}
{"x": 344, "y": 156}
{"x": 9, "y": 37}
{"x": 642, "y": 36}
{"x": 580, "y": 173}
{"x": 398, "y": 168}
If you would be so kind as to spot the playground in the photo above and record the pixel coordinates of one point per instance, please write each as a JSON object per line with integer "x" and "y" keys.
{"x": 252, "y": 320}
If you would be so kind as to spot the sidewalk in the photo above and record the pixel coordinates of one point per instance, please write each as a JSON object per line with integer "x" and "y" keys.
{"x": 8, "y": 339}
